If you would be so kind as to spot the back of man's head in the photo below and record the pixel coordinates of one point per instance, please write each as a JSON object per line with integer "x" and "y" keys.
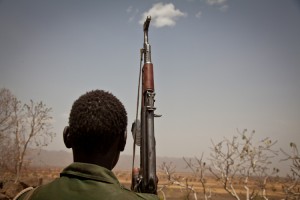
{"x": 96, "y": 121}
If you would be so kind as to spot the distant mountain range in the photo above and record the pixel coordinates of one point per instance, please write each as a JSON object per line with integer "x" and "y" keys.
{"x": 45, "y": 158}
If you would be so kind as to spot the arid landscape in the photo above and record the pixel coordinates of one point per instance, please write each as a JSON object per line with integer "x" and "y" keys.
{"x": 179, "y": 178}
{"x": 233, "y": 170}
{"x": 167, "y": 190}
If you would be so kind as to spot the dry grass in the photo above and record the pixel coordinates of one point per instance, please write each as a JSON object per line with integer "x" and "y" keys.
{"x": 274, "y": 188}
{"x": 34, "y": 176}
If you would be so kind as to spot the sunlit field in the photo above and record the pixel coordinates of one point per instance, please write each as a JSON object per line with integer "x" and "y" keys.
{"x": 36, "y": 176}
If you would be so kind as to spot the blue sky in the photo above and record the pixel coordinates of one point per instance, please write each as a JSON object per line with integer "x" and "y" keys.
{"x": 220, "y": 65}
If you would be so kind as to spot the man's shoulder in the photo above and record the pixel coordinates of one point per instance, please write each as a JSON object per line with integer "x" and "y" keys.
{"x": 125, "y": 194}
{"x": 120, "y": 192}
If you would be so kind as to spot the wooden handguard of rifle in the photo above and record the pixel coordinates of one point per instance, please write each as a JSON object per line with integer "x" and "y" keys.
{"x": 148, "y": 82}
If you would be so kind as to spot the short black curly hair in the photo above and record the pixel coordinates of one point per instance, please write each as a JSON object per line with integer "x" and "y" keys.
{"x": 96, "y": 119}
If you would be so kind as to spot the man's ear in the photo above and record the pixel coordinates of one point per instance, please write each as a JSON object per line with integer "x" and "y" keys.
{"x": 66, "y": 136}
{"x": 122, "y": 141}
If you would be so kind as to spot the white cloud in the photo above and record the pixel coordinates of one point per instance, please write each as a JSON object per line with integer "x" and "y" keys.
{"x": 163, "y": 15}
{"x": 198, "y": 14}
{"x": 215, "y": 2}
{"x": 132, "y": 13}
{"x": 221, "y": 4}
{"x": 224, "y": 8}
{"x": 129, "y": 9}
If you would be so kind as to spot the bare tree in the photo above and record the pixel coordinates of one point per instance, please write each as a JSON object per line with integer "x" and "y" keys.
{"x": 224, "y": 168}
{"x": 257, "y": 161}
{"x": 292, "y": 187}
{"x": 32, "y": 128}
{"x": 21, "y": 127}
{"x": 240, "y": 158}
{"x": 199, "y": 169}
{"x": 7, "y": 101}
{"x": 7, "y": 151}
{"x": 169, "y": 170}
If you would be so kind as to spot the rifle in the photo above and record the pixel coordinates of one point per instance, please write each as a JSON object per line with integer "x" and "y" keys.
{"x": 145, "y": 180}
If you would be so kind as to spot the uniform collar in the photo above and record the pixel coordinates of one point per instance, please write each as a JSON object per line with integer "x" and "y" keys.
{"x": 89, "y": 171}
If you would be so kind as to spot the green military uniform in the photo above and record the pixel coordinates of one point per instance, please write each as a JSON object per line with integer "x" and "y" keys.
{"x": 85, "y": 181}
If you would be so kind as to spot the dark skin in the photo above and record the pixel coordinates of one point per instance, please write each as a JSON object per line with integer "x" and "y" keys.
{"x": 107, "y": 160}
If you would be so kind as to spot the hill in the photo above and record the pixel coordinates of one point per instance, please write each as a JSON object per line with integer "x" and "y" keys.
{"x": 45, "y": 158}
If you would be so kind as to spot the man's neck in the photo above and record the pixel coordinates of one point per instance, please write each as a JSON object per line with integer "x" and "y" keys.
{"x": 108, "y": 160}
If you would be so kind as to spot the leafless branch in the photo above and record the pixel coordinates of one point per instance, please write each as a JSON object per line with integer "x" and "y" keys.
{"x": 169, "y": 170}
